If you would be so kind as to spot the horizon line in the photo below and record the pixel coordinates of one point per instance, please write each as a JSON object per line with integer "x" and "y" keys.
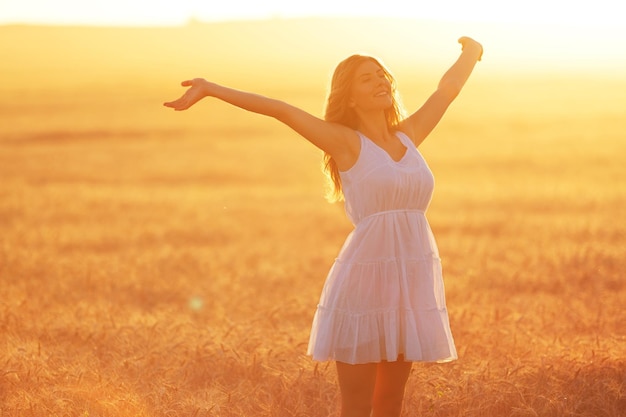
{"x": 198, "y": 21}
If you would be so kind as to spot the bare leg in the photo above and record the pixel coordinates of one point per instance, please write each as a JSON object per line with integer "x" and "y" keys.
{"x": 357, "y": 384}
{"x": 391, "y": 378}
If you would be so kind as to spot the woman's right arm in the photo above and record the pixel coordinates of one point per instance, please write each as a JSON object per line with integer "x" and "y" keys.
{"x": 330, "y": 137}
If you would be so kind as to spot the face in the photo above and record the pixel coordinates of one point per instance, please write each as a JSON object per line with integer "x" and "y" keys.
{"x": 371, "y": 90}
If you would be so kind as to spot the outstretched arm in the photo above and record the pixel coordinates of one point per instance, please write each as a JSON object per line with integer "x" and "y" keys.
{"x": 419, "y": 125}
{"x": 330, "y": 137}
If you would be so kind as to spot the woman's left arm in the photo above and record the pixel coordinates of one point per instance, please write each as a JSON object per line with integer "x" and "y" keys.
{"x": 419, "y": 125}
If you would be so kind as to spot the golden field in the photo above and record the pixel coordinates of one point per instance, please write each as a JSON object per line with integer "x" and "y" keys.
{"x": 155, "y": 263}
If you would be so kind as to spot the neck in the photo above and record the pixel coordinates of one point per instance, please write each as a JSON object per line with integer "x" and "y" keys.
{"x": 374, "y": 126}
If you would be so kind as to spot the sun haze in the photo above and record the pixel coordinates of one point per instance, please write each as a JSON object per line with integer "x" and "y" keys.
{"x": 144, "y": 12}
{"x": 562, "y": 34}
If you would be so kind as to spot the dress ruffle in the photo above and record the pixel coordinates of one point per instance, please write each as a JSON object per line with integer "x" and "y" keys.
{"x": 385, "y": 314}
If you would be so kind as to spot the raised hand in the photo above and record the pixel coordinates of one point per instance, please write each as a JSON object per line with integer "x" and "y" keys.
{"x": 467, "y": 42}
{"x": 196, "y": 92}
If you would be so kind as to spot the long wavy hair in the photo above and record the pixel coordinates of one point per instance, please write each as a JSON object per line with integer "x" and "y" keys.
{"x": 338, "y": 111}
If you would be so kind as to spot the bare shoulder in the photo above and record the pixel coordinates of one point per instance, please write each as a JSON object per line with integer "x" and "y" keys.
{"x": 407, "y": 129}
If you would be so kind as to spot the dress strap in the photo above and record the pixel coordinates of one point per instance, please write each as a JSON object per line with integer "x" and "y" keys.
{"x": 406, "y": 141}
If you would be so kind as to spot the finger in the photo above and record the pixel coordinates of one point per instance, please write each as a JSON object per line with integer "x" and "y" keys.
{"x": 176, "y": 104}
{"x": 187, "y": 83}
{"x": 173, "y": 103}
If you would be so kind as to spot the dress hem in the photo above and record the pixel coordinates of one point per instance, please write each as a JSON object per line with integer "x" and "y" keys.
{"x": 440, "y": 361}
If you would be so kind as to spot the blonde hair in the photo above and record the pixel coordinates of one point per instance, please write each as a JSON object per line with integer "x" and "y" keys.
{"x": 338, "y": 111}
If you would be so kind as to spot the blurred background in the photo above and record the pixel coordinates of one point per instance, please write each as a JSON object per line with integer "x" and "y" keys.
{"x": 159, "y": 263}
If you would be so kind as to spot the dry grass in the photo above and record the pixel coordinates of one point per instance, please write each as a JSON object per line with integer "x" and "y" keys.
{"x": 162, "y": 264}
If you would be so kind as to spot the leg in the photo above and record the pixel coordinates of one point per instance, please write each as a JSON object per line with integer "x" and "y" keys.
{"x": 391, "y": 379}
{"x": 356, "y": 383}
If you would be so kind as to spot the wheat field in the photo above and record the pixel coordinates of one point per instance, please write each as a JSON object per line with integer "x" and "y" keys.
{"x": 155, "y": 263}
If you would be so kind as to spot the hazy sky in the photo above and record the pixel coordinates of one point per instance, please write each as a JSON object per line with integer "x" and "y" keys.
{"x": 575, "y": 32}
{"x": 598, "y": 13}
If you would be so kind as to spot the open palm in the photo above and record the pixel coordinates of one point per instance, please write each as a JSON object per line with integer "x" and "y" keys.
{"x": 195, "y": 93}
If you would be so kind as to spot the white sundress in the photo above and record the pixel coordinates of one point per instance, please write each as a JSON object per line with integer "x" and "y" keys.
{"x": 384, "y": 295}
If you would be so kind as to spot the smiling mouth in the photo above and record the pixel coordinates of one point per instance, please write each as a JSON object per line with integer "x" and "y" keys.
{"x": 382, "y": 93}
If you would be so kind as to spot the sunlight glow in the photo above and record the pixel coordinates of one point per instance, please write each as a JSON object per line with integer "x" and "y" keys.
{"x": 161, "y": 12}
{"x": 529, "y": 33}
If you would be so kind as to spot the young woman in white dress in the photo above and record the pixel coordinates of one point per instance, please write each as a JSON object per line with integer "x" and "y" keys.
{"x": 383, "y": 304}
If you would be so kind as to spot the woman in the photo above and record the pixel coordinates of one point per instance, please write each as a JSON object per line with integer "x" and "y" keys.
{"x": 383, "y": 304}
